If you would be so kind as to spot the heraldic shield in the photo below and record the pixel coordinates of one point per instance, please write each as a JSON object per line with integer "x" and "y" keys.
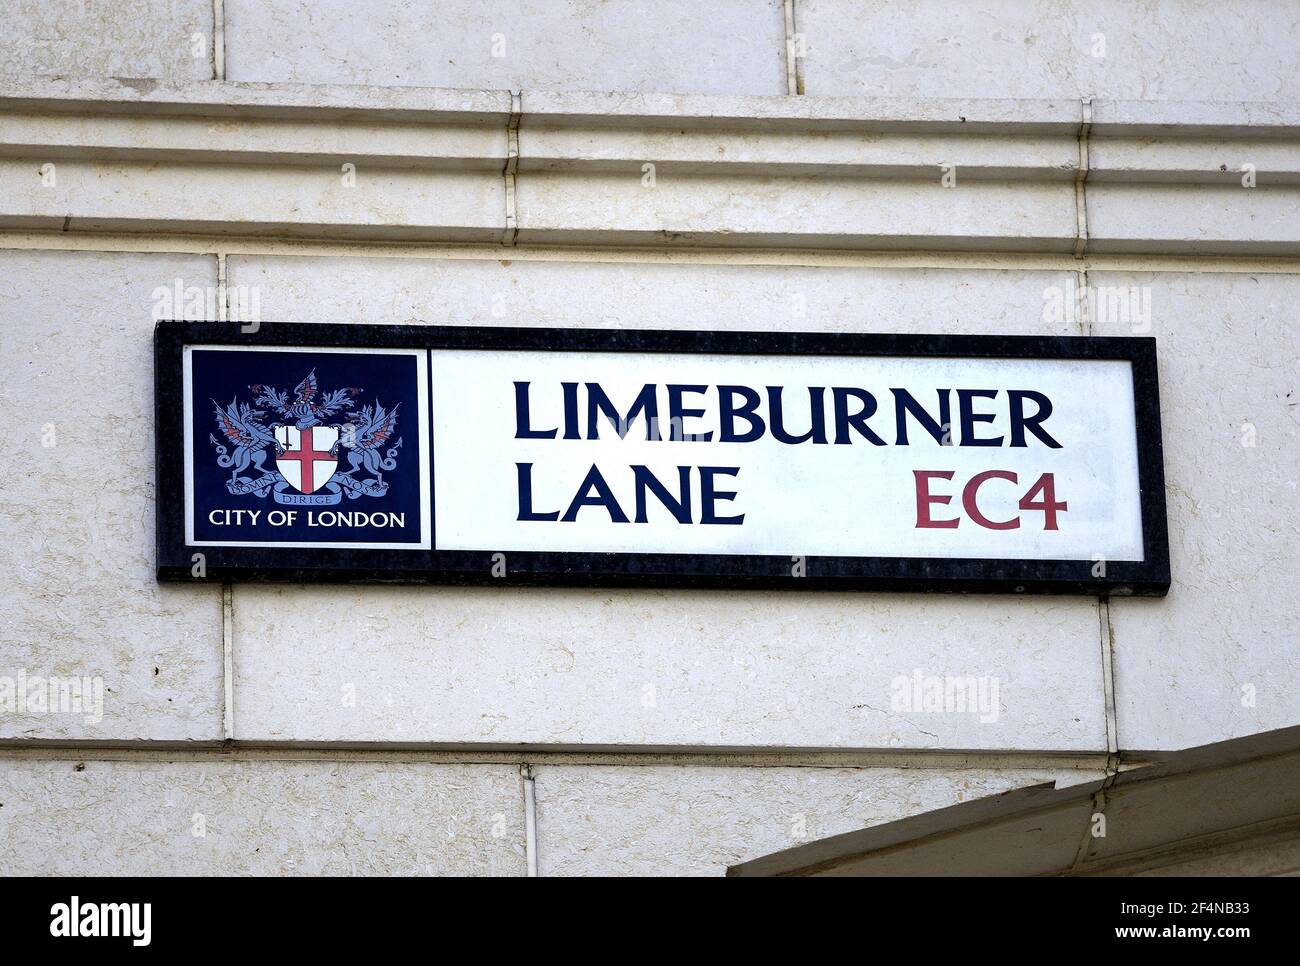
{"x": 307, "y": 458}
{"x": 308, "y": 447}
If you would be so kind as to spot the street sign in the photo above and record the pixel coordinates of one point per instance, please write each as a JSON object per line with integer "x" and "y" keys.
{"x": 710, "y": 459}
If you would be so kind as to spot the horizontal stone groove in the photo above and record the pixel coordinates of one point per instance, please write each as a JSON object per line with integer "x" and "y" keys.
{"x": 854, "y": 136}
{"x": 724, "y": 152}
{"x": 673, "y": 111}
{"x": 281, "y": 122}
{"x": 75, "y": 750}
{"x": 236, "y": 244}
{"x": 646, "y": 171}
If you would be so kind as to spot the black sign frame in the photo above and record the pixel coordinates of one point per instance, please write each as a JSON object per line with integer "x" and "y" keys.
{"x": 176, "y": 560}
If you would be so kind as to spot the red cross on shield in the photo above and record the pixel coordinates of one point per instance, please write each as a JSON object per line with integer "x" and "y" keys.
{"x": 306, "y": 461}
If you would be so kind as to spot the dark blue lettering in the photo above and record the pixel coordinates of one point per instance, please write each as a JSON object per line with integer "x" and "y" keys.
{"x": 708, "y": 496}
{"x": 845, "y": 420}
{"x": 602, "y": 497}
{"x": 906, "y": 403}
{"x": 969, "y": 417}
{"x": 680, "y": 508}
{"x": 522, "y": 427}
{"x": 525, "y": 473}
{"x": 1020, "y": 422}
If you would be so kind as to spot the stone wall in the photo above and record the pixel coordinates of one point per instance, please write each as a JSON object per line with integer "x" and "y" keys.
{"x": 747, "y": 164}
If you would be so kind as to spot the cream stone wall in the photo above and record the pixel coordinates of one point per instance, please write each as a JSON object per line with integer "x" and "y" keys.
{"x": 80, "y": 597}
{"x": 752, "y": 164}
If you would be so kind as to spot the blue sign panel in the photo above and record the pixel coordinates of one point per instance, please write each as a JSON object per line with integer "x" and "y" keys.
{"x": 301, "y": 448}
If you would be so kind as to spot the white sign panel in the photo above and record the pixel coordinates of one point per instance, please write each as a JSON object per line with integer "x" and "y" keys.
{"x": 1001, "y": 464}
{"x": 797, "y": 454}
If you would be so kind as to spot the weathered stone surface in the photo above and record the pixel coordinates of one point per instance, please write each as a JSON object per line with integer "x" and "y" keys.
{"x": 387, "y": 203}
{"x": 796, "y": 212}
{"x": 1277, "y": 857}
{"x": 263, "y": 817}
{"x": 723, "y": 47}
{"x": 648, "y": 667}
{"x": 272, "y": 141}
{"x": 132, "y": 39}
{"x": 1200, "y": 219}
{"x": 79, "y": 596}
{"x": 515, "y": 291}
{"x": 623, "y": 146}
{"x": 1217, "y": 658}
{"x": 653, "y": 820}
{"x": 1169, "y": 50}
{"x": 313, "y": 102}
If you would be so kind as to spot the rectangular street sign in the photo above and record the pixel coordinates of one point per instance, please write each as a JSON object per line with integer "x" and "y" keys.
{"x": 709, "y": 459}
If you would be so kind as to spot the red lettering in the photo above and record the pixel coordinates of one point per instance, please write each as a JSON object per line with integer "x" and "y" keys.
{"x": 1046, "y": 486}
{"x": 924, "y": 498}
{"x": 970, "y": 497}
{"x": 1041, "y": 496}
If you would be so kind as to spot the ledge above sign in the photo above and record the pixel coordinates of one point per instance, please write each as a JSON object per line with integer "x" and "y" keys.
{"x": 457, "y": 454}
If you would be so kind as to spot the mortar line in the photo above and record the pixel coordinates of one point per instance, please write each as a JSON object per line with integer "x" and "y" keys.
{"x": 1113, "y": 757}
{"x": 683, "y": 756}
{"x": 510, "y": 235}
{"x": 793, "y": 62}
{"x": 1108, "y": 683}
{"x": 227, "y": 588}
{"x": 1098, "y": 812}
{"x": 222, "y": 306}
{"x": 530, "y": 816}
{"x": 228, "y": 662}
{"x": 1081, "y": 180}
{"x": 1083, "y": 301}
{"x": 218, "y": 40}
